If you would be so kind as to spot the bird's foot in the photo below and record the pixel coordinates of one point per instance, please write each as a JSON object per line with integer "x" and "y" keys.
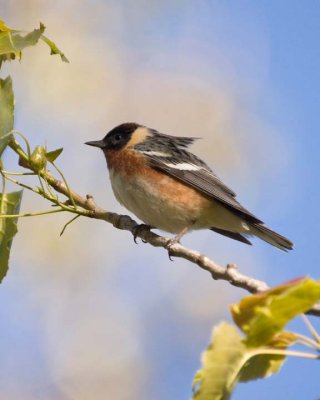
{"x": 170, "y": 243}
{"x": 138, "y": 230}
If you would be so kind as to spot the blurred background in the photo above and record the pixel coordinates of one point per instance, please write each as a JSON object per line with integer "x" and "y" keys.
{"x": 91, "y": 315}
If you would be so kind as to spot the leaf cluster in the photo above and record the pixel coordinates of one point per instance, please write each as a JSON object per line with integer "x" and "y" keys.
{"x": 12, "y": 43}
{"x": 263, "y": 346}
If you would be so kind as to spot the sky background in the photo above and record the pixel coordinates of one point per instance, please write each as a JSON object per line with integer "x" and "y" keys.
{"x": 91, "y": 314}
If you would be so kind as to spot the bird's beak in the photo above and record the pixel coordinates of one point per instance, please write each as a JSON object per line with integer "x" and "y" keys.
{"x": 96, "y": 143}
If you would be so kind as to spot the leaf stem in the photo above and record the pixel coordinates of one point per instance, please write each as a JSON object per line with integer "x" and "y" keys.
{"x": 15, "y": 132}
{"x": 18, "y": 173}
{"x": 284, "y": 353}
{"x": 311, "y": 328}
{"x": 3, "y": 193}
{"x": 22, "y": 185}
{"x": 32, "y": 214}
{"x": 41, "y": 184}
{"x": 305, "y": 340}
{"x": 68, "y": 223}
{"x": 67, "y": 186}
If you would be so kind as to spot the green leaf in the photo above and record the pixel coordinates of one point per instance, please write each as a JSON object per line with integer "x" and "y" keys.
{"x": 30, "y": 39}
{"x": 7, "y": 48}
{"x": 11, "y": 43}
{"x": 4, "y": 28}
{"x": 54, "y": 154}
{"x": 6, "y": 111}
{"x": 245, "y": 311}
{"x": 222, "y": 362}
{"x": 261, "y": 366}
{"x": 228, "y": 360}
{"x": 54, "y": 49}
{"x": 264, "y": 315}
{"x": 10, "y": 205}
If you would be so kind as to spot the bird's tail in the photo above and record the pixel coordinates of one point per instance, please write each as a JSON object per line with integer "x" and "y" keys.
{"x": 270, "y": 236}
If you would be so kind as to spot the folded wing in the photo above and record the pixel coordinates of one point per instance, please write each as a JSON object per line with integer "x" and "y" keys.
{"x": 194, "y": 172}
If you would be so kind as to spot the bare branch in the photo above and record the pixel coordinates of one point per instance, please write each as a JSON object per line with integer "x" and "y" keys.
{"x": 230, "y": 273}
{"x": 124, "y": 222}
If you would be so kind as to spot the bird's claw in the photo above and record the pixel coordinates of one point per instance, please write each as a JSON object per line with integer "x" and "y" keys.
{"x": 170, "y": 243}
{"x": 137, "y": 230}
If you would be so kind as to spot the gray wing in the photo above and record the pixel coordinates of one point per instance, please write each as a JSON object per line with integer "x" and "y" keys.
{"x": 194, "y": 172}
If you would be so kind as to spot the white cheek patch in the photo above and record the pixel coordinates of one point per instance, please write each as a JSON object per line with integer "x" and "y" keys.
{"x": 184, "y": 167}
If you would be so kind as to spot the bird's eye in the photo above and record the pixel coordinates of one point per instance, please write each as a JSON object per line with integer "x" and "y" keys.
{"x": 117, "y": 138}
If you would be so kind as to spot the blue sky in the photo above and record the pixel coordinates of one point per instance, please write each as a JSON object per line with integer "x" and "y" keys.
{"x": 93, "y": 309}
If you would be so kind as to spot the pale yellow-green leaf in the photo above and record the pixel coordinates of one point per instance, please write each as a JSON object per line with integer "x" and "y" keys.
{"x": 6, "y": 111}
{"x": 245, "y": 311}
{"x": 7, "y": 49}
{"x": 54, "y": 48}
{"x": 10, "y": 205}
{"x": 54, "y": 154}
{"x": 3, "y": 27}
{"x": 12, "y": 43}
{"x": 264, "y": 315}
{"x": 228, "y": 360}
{"x": 263, "y": 365}
{"x": 221, "y": 362}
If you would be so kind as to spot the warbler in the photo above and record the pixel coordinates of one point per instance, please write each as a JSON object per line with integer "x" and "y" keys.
{"x": 167, "y": 187}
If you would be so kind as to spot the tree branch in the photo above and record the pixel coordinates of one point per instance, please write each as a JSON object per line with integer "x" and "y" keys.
{"x": 230, "y": 273}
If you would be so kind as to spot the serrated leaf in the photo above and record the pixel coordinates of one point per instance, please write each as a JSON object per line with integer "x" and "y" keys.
{"x": 264, "y": 315}
{"x": 54, "y": 154}
{"x": 222, "y": 362}
{"x": 6, "y": 111}
{"x": 30, "y": 39}
{"x": 54, "y": 49}
{"x": 13, "y": 42}
{"x": 228, "y": 360}
{"x": 10, "y": 205}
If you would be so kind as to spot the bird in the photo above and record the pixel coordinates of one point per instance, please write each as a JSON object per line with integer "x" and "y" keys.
{"x": 167, "y": 187}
